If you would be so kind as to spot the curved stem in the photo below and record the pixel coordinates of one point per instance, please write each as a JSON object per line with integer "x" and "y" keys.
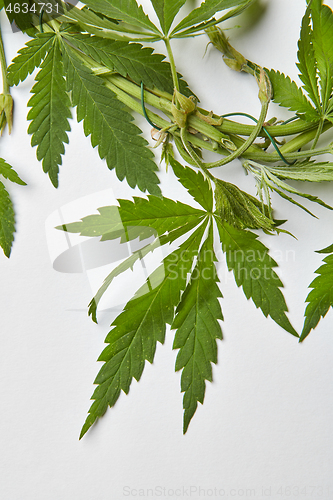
{"x": 318, "y": 134}
{"x": 247, "y": 143}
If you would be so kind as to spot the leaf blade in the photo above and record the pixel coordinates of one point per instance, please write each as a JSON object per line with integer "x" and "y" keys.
{"x": 307, "y": 64}
{"x": 288, "y": 95}
{"x": 253, "y": 270}
{"x": 109, "y": 125}
{"x": 198, "y": 187}
{"x": 7, "y": 221}
{"x": 198, "y": 329}
{"x": 158, "y": 214}
{"x": 166, "y": 11}
{"x": 49, "y": 113}
{"x": 29, "y": 58}
{"x": 204, "y": 12}
{"x": 127, "y": 11}
{"x": 140, "y": 63}
{"x": 9, "y": 173}
{"x": 322, "y": 18}
{"x": 139, "y": 327}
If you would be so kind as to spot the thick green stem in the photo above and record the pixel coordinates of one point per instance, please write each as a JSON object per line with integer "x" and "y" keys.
{"x": 303, "y": 139}
{"x": 126, "y": 90}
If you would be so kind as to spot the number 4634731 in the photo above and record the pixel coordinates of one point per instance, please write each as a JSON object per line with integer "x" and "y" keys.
{"x": 36, "y": 8}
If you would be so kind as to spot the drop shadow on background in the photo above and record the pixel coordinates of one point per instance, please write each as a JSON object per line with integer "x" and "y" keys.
{"x": 248, "y": 20}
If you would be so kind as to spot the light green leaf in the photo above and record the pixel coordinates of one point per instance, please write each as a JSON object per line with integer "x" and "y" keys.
{"x": 322, "y": 18}
{"x": 127, "y": 11}
{"x": 140, "y": 217}
{"x": 253, "y": 269}
{"x": 29, "y": 58}
{"x": 195, "y": 183}
{"x": 305, "y": 171}
{"x": 307, "y": 63}
{"x": 206, "y": 10}
{"x": 166, "y": 11}
{"x": 131, "y": 260}
{"x": 288, "y": 95}
{"x": 7, "y": 221}
{"x": 140, "y": 63}
{"x": 108, "y": 123}
{"x": 50, "y": 110}
{"x": 99, "y": 24}
{"x": 239, "y": 208}
{"x": 140, "y": 326}
{"x": 198, "y": 328}
{"x": 320, "y": 299}
{"x": 286, "y": 187}
{"x": 9, "y": 173}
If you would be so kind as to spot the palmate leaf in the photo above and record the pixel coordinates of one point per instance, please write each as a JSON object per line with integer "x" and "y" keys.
{"x": 307, "y": 64}
{"x": 322, "y": 18}
{"x": 50, "y": 111}
{"x": 166, "y": 11}
{"x": 197, "y": 327}
{"x": 203, "y": 13}
{"x": 140, "y": 63}
{"x": 198, "y": 187}
{"x": 109, "y": 125}
{"x": 127, "y": 11}
{"x": 253, "y": 269}
{"x": 29, "y": 58}
{"x": 7, "y": 221}
{"x": 140, "y": 326}
{"x": 320, "y": 299}
{"x": 288, "y": 95}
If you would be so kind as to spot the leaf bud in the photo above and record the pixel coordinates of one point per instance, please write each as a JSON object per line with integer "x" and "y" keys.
{"x": 6, "y": 112}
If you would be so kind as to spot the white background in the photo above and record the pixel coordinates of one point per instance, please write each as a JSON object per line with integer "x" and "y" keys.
{"x": 266, "y": 423}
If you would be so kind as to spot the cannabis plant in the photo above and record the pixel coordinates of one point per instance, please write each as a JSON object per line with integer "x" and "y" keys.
{"x": 99, "y": 59}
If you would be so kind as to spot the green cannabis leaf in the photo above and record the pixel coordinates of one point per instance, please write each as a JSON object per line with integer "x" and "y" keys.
{"x": 96, "y": 59}
{"x": 307, "y": 61}
{"x": 139, "y": 63}
{"x": 29, "y": 58}
{"x": 320, "y": 299}
{"x": 7, "y": 215}
{"x": 205, "y": 12}
{"x": 287, "y": 94}
{"x": 50, "y": 111}
{"x": 126, "y": 11}
{"x": 197, "y": 328}
{"x": 166, "y": 11}
{"x": 253, "y": 269}
{"x": 109, "y": 126}
{"x": 140, "y": 326}
{"x": 322, "y": 18}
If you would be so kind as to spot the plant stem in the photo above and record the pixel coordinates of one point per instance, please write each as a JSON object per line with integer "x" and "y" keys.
{"x": 172, "y": 63}
{"x": 303, "y": 139}
{"x": 247, "y": 143}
